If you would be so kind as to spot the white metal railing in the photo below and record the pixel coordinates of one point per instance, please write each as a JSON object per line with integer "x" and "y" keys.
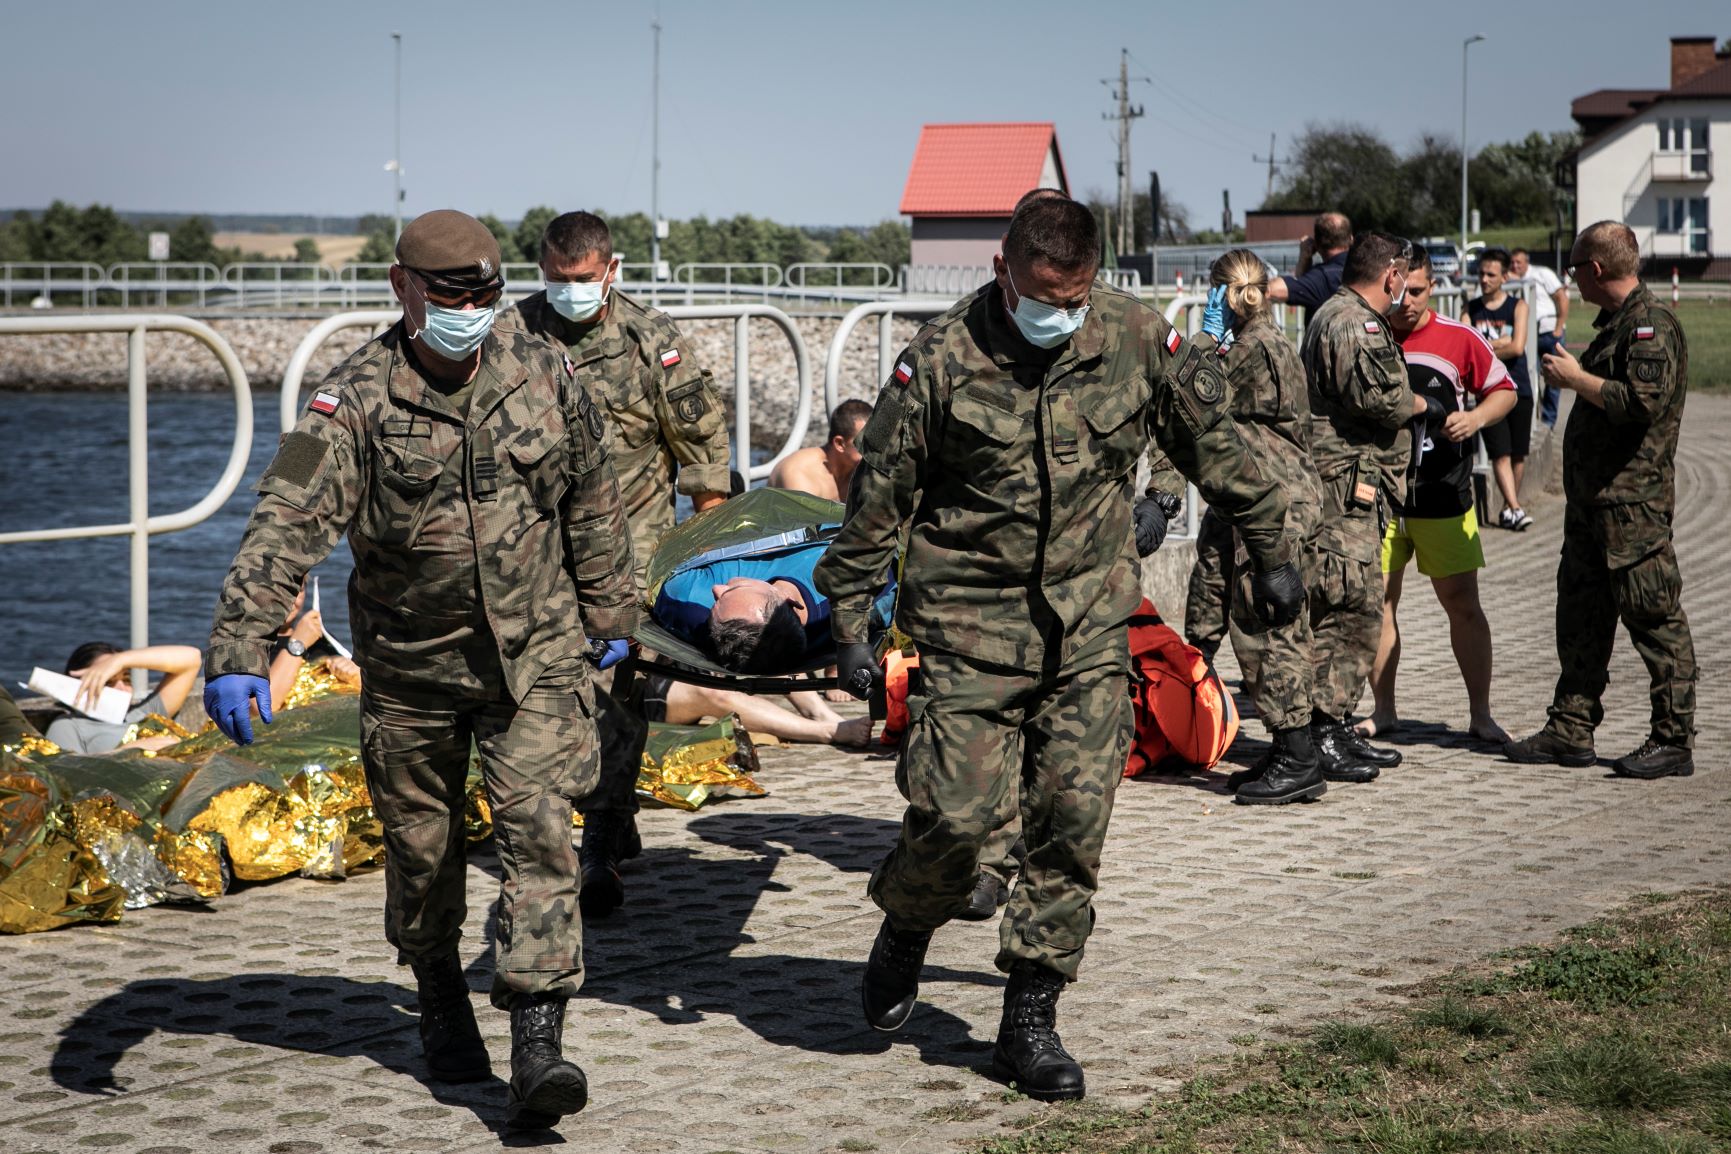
{"x": 156, "y": 279}
{"x": 741, "y": 315}
{"x": 254, "y": 282}
{"x": 38, "y": 280}
{"x": 140, "y": 525}
{"x": 886, "y": 312}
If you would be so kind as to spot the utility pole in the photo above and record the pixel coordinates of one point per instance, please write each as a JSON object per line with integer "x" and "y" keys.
{"x": 1272, "y": 165}
{"x": 1465, "y": 44}
{"x": 1125, "y": 114}
{"x": 397, "y": 139}
{"x": 655, "y": 161}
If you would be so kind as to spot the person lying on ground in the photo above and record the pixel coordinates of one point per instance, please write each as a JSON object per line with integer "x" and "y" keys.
{"x": 99, "y": 665}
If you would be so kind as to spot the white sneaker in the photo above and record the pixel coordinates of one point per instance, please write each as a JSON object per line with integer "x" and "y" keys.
{"x": 1514, "y": 520}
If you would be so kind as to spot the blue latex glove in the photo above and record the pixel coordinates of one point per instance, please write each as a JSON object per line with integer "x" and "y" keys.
{"x": 228, "y": 699}
{"x": 1215, "y": 316}
{"x": 606, "y": 652}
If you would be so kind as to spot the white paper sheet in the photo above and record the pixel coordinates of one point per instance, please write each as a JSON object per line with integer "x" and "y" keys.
{"x": 342, "y": 650}
{"x": 111, "y": 707}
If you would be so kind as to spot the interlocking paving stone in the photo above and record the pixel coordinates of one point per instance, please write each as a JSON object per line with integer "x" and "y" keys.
{"x": 721, "y": 1010}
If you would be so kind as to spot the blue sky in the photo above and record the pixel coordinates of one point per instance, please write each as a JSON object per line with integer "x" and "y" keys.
{"x": 803, "y": 112}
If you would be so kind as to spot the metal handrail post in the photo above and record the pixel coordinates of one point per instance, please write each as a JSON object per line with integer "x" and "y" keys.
{"x": 1186, "y": 303}
{"x": 138, "y": 496}
{"x": 141, "y": 526}
{"x": 289, "y": 403}
{"x": 885, "y": 309}
{"x": 742, "y": 395}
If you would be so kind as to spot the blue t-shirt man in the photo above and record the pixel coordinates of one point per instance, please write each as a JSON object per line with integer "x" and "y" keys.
{"x": 743, "y": 586}
{"x": 1317, "y": 283}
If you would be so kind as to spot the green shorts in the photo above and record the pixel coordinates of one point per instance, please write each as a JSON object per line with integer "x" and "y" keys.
{"x": 1445, "y": 545}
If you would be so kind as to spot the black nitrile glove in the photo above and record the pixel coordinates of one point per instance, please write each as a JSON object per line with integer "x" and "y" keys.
{"x": 1151, "y": 523}
{"x": 856, "y": 668}
{"x": 1433, "y": 409}
{"x": 1277, "y": 595}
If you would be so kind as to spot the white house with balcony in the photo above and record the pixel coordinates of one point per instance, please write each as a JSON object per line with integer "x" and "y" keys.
{"x": 1648, "y": 160}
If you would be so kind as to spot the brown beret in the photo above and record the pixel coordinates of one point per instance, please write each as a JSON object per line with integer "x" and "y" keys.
{"x": 452, "y": 243}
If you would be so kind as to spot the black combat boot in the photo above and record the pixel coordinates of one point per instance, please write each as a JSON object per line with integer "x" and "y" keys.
{"x": 1239, "y": 778}
{"x": 1655, "y": 759}
{"x": 450, "y": 1040}
{"x": 544, "y": 1086}
{"x": 1337, "y": 761}
{"x": 990, "y": 893}
{"x": 1546, "y": 748}
{"x": 892, "y": 976}
{"x": 609, "y": 837}
{"x": 1029, "y": 1051}
{"x": 1291, "y": 772}
{"x": 1361, "y": 748}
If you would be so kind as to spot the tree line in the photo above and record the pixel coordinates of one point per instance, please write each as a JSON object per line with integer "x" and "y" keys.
{"x": 1354, "y": 169}
{"x": 99, "y": 235}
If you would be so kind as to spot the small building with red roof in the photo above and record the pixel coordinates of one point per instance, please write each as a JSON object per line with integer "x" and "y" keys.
{"x": 965, "y": 181}
{"x": 1647, "y": 158}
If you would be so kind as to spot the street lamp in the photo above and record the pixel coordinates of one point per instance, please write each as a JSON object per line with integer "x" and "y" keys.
{"x": 1465, "y": 44}
{"x": 396, "y": 165}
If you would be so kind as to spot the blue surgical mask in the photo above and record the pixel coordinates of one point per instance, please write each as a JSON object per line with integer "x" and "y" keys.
{"x": 1042, "y": 325}
{"x": 455, "y": 333}
{"x": 577, "y": 301}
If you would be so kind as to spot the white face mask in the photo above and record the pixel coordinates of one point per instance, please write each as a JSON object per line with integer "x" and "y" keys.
{"x": 1042, "y": 325}
{"x": 580, "y": 301}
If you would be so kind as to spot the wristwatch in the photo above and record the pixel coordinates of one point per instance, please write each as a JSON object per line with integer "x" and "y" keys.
{"x": 296, "y": 647}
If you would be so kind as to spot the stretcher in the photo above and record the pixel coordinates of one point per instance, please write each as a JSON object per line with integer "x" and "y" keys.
{"x": 759, "y": 524}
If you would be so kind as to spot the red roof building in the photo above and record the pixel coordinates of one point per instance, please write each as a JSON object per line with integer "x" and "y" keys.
{"x": 965, "y": 181}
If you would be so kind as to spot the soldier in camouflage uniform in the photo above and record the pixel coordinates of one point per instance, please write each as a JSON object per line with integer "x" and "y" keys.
{"x": 1208, "y": 596}
{"x": 1005, "y": 443}
{"x": 1360, "y": 406}
{"x": 1269, "y": 402}
{"x": 469, "y": 472}
{"x": 1619, "y": 474}
{"x": 667, "y": 436}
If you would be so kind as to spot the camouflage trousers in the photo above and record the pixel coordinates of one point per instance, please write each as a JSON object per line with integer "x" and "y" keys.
{"x": 1209, "y": 598}
{"x": 1345, "y": 587}
{"x": 623, "y": 734}
{"x": 1279, "y": 664}
{"x": 985, "y": 741}
{"x": 536, "y": 756}
{"x": 1619, "y": 565}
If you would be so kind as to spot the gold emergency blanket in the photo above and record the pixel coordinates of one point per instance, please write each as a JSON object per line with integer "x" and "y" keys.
{"x": 83, "y": 838}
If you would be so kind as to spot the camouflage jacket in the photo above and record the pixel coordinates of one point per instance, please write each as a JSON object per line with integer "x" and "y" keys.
{"x": 1360, "y": 401}
{"x": 1624, "y": 453}
{"x": 669, "y": 433}
{"x": 1011, "y": 468}
{"x": 484, "y": 549}
{"x": 1269, "y": 400}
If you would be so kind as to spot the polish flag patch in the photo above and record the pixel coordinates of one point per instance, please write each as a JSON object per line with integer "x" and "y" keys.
{"x": 325, "y": 403}
{"x": 904, "y": 372}
{"x": 669, "y": 358}
{"x": 1372, "y": 327}
{"x": 1172, "y": 340}
{"x": 1644, "y": 333}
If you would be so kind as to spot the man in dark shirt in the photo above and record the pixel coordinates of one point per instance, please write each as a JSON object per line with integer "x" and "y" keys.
{"x": 1313, "y": 283}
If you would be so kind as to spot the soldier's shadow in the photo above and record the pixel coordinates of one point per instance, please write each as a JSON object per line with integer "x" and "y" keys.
{"x": 682, "y": 951}
{"x": 327, "y": 1016}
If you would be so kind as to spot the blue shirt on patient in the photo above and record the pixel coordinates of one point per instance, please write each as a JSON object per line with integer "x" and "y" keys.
{"x": 682, "y": 607}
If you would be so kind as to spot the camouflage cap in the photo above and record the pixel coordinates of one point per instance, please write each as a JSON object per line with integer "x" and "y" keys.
{"x": 450, "y": 243}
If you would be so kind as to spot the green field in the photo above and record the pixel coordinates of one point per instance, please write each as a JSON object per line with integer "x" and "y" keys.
{"x": 1614, "y": 1040}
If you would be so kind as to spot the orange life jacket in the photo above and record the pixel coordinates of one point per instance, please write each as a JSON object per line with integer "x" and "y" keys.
{"x": 1185, "y": 718}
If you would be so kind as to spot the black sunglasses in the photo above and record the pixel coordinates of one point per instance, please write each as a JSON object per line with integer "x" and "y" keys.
{"x": 447, "y": 292}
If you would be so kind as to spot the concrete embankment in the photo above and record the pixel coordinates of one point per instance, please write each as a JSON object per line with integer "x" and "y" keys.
{"x": 178, "y": 363}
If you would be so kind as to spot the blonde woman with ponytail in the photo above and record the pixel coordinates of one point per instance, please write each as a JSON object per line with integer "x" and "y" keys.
{"x": 1269, "y": 402}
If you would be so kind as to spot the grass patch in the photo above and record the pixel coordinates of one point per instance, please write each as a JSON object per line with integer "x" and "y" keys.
{"x": 1614, "y": 1040}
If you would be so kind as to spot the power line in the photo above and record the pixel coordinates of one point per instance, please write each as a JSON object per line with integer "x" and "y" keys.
{"x": 1125, "y": 114}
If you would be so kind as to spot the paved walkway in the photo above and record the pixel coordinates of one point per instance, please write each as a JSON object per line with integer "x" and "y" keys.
{"x": 722, "y": 1011}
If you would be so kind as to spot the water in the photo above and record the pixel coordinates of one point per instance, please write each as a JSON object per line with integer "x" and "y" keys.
{"x": 63, "y": 463}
